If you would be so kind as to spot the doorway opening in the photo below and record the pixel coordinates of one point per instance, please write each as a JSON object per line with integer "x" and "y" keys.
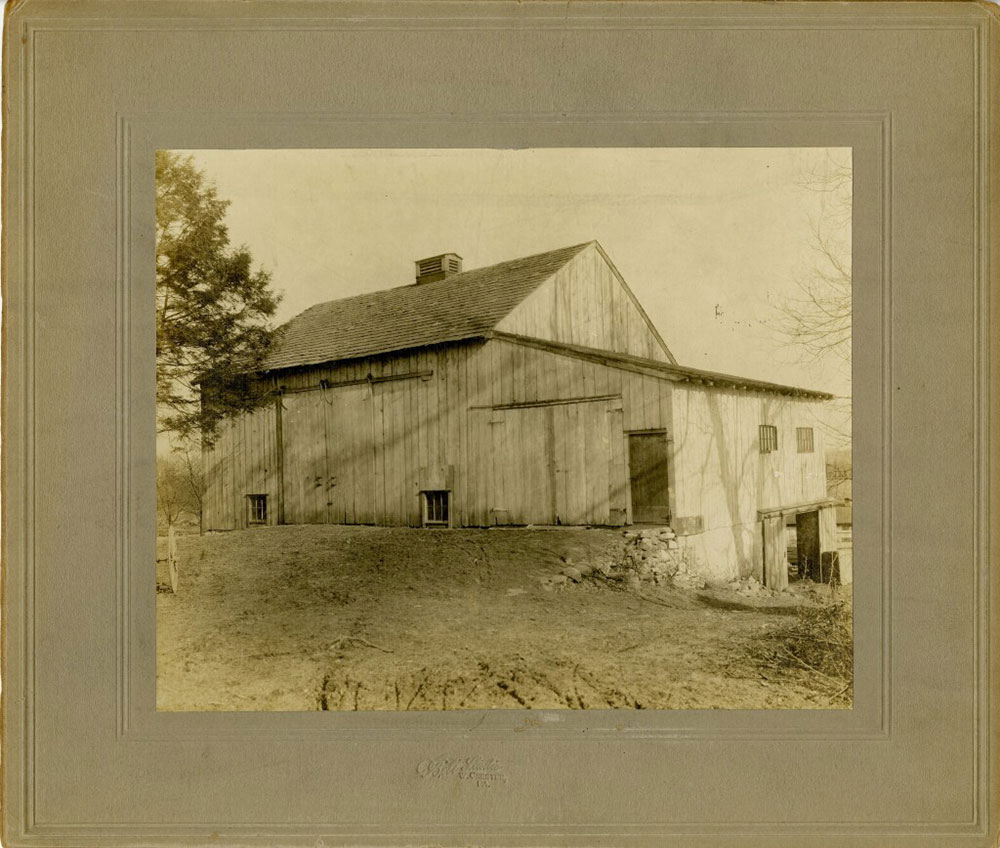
{"x": 649, "y": 479}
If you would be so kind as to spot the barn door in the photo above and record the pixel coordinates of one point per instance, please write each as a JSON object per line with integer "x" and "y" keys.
{"x": 306, "y": 480}
{"x": 350, "y": 455}
{"x": 775, "y": 562}
{"x": 548, "y": 464}
{"x": 647, "y": 468}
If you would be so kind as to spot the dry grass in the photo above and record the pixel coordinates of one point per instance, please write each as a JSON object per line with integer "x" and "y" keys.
{"x": 366, "y": 618}
{"x": 817, "y": 644}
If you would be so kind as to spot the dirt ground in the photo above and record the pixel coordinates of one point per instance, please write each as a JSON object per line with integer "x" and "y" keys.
{"x": 326, "y": 617}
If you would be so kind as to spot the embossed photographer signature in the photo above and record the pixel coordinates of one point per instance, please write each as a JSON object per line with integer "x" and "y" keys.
{"x": 485, "y": 773}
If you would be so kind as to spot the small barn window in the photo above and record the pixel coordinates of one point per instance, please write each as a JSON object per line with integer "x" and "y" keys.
{"x": 768, "y": 438}
{"x": 436, "y": 509}
{"x": 804, "y": 439}
{"x": 257, "y": 509}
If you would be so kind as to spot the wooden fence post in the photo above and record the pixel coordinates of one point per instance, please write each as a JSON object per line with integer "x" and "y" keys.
{"x": 172, "y": 557}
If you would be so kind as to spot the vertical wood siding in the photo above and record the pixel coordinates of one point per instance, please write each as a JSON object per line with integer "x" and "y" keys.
{"x": 584, "y": 303}
{"x": 352, "y": 454}
{"x": 775, "y": 554}
{"x": 548, "y": 464}
{"x": 242, "y": 462}
{"x": 721, "y": 475}
{"x": 360, "y": 454}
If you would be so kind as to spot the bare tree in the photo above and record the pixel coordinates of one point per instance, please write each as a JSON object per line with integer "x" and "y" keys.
{"x": 815, "y": 324}
{"x": 195, "y": 473}
{"x": 173, "y": 491}
{"x": 174, "y": 499}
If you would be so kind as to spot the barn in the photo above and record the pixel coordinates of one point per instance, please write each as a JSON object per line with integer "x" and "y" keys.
{"x": 532, "y": 392}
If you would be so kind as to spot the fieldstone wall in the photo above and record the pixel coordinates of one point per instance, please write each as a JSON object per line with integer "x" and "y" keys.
{"x": 651, "y": 555}
{"x": 656, "y": 555}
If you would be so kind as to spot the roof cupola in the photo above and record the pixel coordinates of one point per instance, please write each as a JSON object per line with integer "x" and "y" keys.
{"x": 436, "y": 268}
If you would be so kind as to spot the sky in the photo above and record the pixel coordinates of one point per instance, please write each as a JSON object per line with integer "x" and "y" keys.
{"x": 710, "y": 240}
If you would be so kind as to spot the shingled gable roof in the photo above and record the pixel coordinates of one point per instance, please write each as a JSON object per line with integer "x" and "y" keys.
{"x": 462, "y": 306}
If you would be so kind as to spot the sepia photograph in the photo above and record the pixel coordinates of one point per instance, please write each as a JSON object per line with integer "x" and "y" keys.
{"x": 543, "y": 428}
{"x": 509, "y": 424}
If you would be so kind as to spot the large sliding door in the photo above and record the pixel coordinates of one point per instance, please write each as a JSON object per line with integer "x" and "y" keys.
{"x": 556, "y": 463}
{"x": 329, "y": 456}
{"x": 306, "y": 482}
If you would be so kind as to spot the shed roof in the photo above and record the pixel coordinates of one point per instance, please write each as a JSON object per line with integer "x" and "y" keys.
{"x": 462, "y": 306}
{"x": 679, "y": 373}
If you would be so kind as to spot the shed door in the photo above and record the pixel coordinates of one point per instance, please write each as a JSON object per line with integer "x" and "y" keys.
{"x": 775, "y": 551}
{"x": 647, "y": 464}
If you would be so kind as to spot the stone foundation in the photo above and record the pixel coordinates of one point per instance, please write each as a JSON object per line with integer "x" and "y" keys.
{"x": 657, "y": 555}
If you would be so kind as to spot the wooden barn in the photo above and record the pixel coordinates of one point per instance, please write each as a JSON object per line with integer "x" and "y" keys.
{"x": 533, "y": 392}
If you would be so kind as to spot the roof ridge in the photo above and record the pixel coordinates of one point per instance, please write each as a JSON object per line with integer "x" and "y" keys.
{"x": 462, "y": 305}
{"x": 450, "y": 278}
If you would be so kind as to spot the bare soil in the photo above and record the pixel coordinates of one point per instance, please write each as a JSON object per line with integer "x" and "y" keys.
{"x": 345, "y": 618}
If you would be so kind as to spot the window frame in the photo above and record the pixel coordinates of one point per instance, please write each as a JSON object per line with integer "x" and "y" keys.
{"x": 801, "y": 432}
{"x": 436, "y": 507}
{"x": 256, "y": 508}
{"x": 767, "y": 438}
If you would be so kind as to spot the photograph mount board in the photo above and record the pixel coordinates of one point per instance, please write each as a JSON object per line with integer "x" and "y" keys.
{"x": 93, "y": 90}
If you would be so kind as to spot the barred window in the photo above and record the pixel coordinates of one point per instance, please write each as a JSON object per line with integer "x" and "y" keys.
{"x": 768, "y": 438}
{"x": 436, "y": 508}
{"x": 804, "y": 439}
{"x": 257, "y": 509}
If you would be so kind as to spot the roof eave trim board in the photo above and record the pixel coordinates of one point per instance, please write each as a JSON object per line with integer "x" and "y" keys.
{"x": 794, "y": 509}
{"x": 665, "y": 371}
{"x": 327, "y": 363}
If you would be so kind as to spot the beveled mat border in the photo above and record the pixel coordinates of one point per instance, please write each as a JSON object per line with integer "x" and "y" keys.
{"x": 869, "y": 134}
{"x": 19, "y": 305}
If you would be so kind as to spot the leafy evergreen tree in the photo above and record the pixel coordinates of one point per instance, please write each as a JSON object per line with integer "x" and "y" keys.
{"x": 212, "y": 307}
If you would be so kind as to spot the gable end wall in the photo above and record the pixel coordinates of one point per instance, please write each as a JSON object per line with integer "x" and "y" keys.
{"x": 585, "y": 303}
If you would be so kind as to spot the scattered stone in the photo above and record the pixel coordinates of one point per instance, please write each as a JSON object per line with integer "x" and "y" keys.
{"x": 585, "y": 569}
{"x": 573, "y": 574}
{"x": 688, "y": 581}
